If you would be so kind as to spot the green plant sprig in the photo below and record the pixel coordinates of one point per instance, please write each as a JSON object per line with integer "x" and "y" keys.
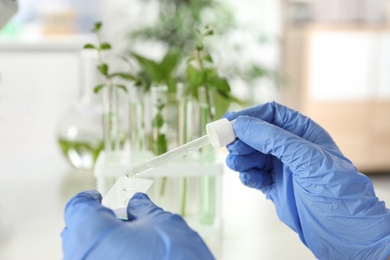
{"x": 199, "y": 48}
{"x": 160, "y": 143}
{"x": 103, "y": 66}
{"x": 201, "y": 71}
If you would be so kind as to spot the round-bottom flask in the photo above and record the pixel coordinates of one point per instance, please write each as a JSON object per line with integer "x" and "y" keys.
{"x": 80, "y": 134}
{"x": 79, "y": 130}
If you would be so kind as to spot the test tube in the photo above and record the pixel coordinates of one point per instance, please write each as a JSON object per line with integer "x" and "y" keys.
{"x": 219, "y": 134}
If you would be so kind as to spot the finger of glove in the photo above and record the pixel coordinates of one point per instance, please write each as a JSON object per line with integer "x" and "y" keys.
{"x": 292, "y": 150}
{"x": 240, "y": 148}
{"x": 289, "y": 120}
{"x": 241, "y": 163}
{"x": 257, "y": 179}
{"x": 140, "y": 206}
{"x": 85, "y": 210}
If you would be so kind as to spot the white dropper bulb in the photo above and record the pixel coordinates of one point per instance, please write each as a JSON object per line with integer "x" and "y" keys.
{"x": 220, "y": 132}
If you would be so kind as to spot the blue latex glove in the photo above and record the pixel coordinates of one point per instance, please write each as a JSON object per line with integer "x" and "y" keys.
{"x": 316, "y": 190}
{"x": 93, "y": 232}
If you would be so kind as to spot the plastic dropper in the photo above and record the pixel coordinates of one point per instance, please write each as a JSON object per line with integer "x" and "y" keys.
{"x": 219, "y": 133}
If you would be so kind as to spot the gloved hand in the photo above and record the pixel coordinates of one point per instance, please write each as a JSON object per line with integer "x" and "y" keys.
{"x": 316, "y": 190}
{"x": 93, "y": 232}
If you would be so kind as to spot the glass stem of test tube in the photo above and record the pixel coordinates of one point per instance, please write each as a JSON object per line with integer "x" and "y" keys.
{"x": 169, "y": 156}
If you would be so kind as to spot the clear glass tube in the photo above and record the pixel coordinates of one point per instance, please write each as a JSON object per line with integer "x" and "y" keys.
{"x": 206, "y": 115}
{"x": 137, "y": 126}
{"x": 169, "y": 156}
{"x": 181, "y": 115}
{"x": 159, "y": 96}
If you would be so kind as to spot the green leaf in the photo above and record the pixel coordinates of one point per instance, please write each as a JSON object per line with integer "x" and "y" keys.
{"x": 171, "y": 83}
{"x": 103, "y": 68}
{"x": 145, "y": 79}
{"x": 195, "y": 78}
{"x": 239, "y": 101}
{"x": 158, "y": 121}
{"x": 139, "y": 83}
{"x": 221, "y": 105}
{"x": 160, "y": 72}
{"x": 150, "y": 67}
{"x": 124, "y": 75}
{"x": 160, "y": 145}
{"x": 99, "y": 87}
{"x": 208, "y": 58}
{"x": 221, "y": 84}
{"x": 105, "y": 46}
{"x": 89, "y": 46}
{"x": 97, "y": 27}
{"x": 170, "y": 61}
{"x": 210, "y": 73}
{"x": 120, "y": 86}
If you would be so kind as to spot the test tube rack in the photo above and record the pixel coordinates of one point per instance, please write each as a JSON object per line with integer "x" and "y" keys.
{"x": 107, "y": 172}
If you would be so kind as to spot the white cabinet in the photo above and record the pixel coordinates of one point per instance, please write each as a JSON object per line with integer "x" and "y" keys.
{"x": 340, "y": 77}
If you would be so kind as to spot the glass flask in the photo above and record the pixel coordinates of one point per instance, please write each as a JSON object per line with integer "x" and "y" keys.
{"x": 79, "y": 130}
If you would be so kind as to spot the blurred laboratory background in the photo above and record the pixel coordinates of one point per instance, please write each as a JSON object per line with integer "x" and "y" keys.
{"x": 82, "y": 101}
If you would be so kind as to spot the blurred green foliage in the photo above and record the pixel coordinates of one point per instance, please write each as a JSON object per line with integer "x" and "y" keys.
{"x": 177, "y": 28}
{"x": 178, "y": 19}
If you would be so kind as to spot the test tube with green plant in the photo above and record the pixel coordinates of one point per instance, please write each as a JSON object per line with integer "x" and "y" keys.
{"x": 159, "y": 127}
{"x": 137, "y": 130}
{"x": 110, "y": 88}
{"x": 202, "y": 72}
{"x": 207, "y": 85}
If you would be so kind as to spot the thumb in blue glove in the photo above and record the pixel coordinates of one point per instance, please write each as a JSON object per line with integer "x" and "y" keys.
{"x": 316, "y": 190}
{"x": 93, "y": 232}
